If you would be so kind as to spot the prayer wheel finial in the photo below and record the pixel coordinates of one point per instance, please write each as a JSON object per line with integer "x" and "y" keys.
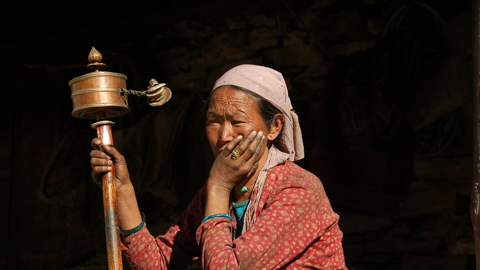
{"x": 94, "y": 57}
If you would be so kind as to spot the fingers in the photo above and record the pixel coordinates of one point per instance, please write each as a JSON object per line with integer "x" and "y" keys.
{"x": 99, "y": 154}
{"x": 257, "y": 150}
{"x": 100, "y": 162}
{"x": 253, "y": 170}
{"x": 231, "y": 145}
{"x": 243, "y": 146}
{"x": 228, "y": 170}
{"x": 112, "y": 152}
{"x": 105, "y": 159}
{"x": 95, "y": 143}
{"x": 251, "y": 146}
{"x": 106, "y": 152}
{"x": 253, "y": 154}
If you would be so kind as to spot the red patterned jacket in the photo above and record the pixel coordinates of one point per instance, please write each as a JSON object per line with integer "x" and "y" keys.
{"x": 295, "y": 228}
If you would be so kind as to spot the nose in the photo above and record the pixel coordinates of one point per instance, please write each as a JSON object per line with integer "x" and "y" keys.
{"x": 226, "y": 133}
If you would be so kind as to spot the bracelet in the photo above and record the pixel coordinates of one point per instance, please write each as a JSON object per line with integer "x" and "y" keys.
{"x": 136, "y": 229}
{"x": 217, "y": 215}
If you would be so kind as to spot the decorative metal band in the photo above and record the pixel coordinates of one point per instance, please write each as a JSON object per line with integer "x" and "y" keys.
{"x": 96, "y": 74}
{"x": 96, "y": 89}
{"x": 100, "y": 105}
{"x": 101, "y": 123}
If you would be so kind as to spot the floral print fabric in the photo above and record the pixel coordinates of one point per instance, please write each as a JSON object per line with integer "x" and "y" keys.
{"x": 295, "y": 228}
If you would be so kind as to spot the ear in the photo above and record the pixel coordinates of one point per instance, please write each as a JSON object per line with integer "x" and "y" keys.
{"x": 276, "y": 128}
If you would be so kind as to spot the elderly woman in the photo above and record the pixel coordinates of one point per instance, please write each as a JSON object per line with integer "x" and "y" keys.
{"x": 257, "y": 210}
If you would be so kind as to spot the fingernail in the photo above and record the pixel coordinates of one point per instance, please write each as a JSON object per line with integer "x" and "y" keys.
{"x": 240, "y": 137}
{"x": 110, "y": 162}
{"x": 260, "y": 133}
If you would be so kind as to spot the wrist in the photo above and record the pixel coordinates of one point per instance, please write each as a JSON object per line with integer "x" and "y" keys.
{"x": 217, "y": 199}
{"x": 125, "y": 190}
{"x": 217, "y": 189}
{"x": 126, "y": 201}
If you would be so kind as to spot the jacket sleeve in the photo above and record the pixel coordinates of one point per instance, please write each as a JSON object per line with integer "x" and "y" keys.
{"x": 176, "y": 249}
{"x": 296, "y": 227}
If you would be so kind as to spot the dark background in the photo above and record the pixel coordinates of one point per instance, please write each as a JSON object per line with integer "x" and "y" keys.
{"x": 46, "y": 44}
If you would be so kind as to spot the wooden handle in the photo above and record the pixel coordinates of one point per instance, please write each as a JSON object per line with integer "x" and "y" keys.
{"x": 104, "y": 133}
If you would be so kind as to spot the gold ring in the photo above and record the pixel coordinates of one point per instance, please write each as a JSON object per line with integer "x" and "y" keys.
{"x": 235, "y": 154}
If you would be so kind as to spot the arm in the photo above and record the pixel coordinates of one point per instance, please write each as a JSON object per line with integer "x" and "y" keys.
{"x": 141, "y": 249}
{"x": 227, "y": 173}
{"x": 101, "y": 162}
{"x": 177, "y": 249}
{"x": 296, "y": 225}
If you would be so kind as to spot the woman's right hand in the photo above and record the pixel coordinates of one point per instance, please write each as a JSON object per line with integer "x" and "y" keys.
{"x": 227, "y": 172}
{"x": 103, "y": 159}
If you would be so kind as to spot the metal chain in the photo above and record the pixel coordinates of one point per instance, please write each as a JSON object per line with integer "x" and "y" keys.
{"x": 133, "y": 92}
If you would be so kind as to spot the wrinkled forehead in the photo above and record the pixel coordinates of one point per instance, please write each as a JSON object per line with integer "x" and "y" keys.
{"x": 263, "y": 81}
{"x": 227, "y": 97}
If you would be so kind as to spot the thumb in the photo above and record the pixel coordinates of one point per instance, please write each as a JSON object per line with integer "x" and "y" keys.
{"x": 119, "y": 161}
{"x": 112, "y": 152}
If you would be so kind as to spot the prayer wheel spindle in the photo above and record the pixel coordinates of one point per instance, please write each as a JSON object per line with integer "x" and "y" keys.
{"x": 101, "y": 95}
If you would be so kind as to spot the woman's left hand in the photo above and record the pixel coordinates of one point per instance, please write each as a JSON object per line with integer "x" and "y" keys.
{"x": 227, "y": 172}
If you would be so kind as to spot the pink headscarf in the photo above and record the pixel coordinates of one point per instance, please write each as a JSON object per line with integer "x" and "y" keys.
{"x": 270, "y": 85}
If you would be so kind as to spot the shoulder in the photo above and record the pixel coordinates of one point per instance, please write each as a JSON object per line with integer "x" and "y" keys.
{"x": 289, "y": 179}
{"x": 291, "y": 174}
{"x": 289, "y": 184}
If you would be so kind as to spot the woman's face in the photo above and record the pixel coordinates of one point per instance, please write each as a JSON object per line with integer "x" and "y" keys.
{"x": 232, "y": 112}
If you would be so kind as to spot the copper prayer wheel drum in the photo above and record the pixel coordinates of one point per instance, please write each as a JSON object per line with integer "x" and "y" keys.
{"x": 97, "y": 95}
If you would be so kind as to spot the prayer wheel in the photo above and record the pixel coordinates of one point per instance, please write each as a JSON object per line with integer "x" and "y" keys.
{"x": 101, "y": 95}
{"x": 97, "y": 95}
